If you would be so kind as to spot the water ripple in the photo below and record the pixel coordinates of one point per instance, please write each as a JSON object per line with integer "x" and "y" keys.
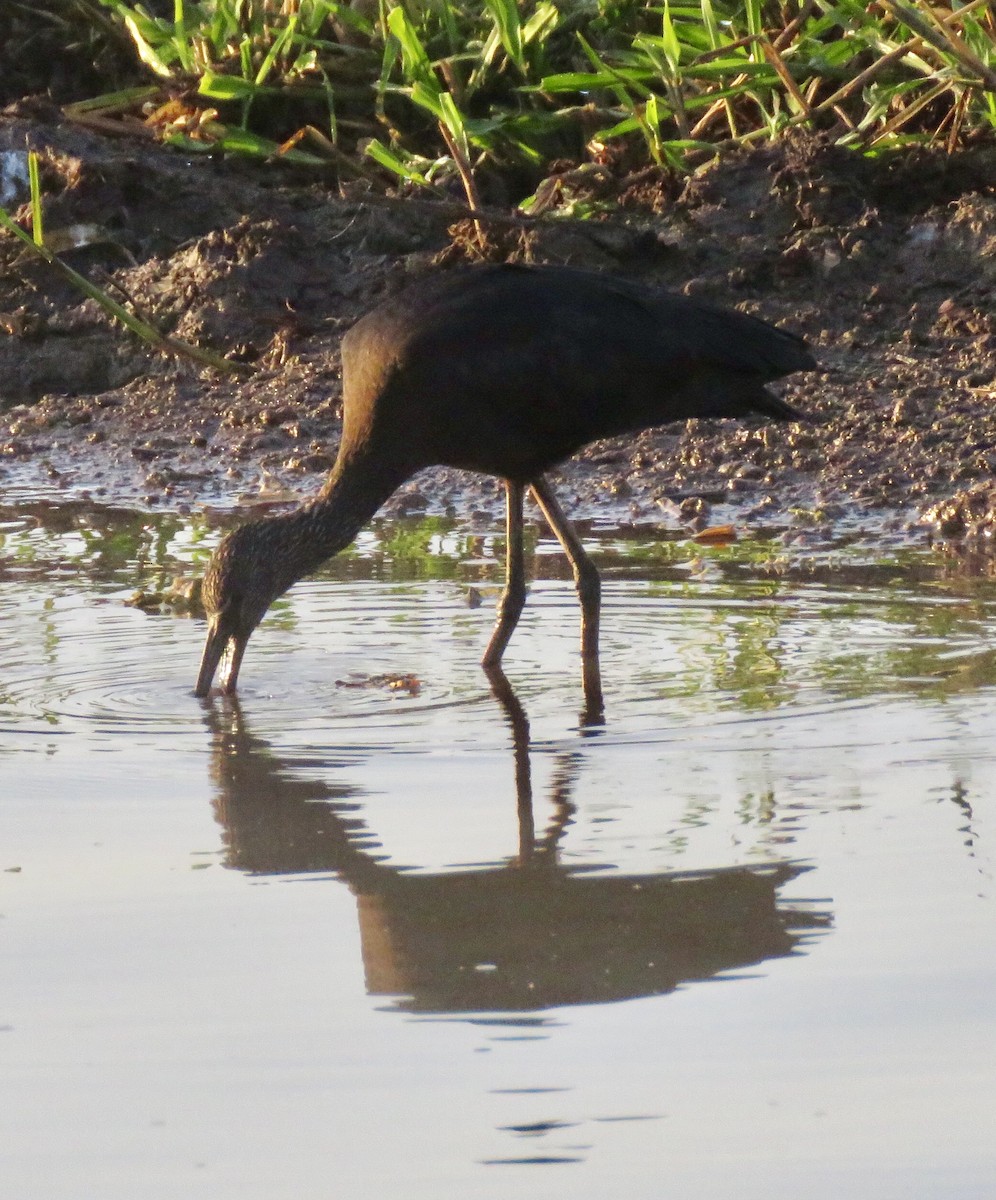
{"x": 320, "y": 668}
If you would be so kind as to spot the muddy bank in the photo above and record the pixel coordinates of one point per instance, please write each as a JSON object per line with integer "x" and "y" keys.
{"x": 887, "y": 268}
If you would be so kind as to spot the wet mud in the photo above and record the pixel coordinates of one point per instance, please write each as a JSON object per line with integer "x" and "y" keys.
{"x": 887, "y": 267}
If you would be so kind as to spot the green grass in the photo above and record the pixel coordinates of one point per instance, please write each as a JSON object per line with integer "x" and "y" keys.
{"x": 432, "y": 93}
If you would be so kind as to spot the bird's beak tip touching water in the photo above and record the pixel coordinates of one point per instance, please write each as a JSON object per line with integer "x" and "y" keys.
{"x": 220, "y": 645}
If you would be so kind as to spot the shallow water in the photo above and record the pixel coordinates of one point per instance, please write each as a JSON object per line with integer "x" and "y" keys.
{"x": 436, "y": 941}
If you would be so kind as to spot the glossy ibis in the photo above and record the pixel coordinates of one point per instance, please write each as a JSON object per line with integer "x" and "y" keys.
{"x": 506, "y": 370}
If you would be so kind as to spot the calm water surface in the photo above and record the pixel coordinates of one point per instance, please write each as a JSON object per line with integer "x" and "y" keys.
{"x": 340, "y": 939}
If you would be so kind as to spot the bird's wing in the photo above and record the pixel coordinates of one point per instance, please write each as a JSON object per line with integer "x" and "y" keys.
{"x": 509, "y": 369}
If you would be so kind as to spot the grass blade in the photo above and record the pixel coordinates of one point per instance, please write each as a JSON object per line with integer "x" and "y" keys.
{"x": 37, "y": 228}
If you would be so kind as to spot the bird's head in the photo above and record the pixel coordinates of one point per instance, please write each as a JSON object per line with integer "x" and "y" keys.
{"x": 240, "y": 584}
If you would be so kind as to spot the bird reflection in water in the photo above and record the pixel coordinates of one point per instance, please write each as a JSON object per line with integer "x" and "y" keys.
{"x": 528, "y": 934}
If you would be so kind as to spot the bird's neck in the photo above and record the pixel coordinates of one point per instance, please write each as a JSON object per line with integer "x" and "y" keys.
{"x": 354, "y": 491}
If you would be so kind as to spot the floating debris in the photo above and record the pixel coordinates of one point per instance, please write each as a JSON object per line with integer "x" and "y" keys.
{"x": 182, "y": 598}
{"x": 392, "y": 680}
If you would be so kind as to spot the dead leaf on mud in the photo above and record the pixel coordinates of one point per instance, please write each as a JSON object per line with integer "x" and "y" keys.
{"x": 717, "y": 534}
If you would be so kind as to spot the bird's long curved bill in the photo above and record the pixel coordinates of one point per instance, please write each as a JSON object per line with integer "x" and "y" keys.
{"x": 220, "y": 645}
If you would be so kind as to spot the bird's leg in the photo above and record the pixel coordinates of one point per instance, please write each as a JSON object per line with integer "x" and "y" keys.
{"x": 589, "y": 591}
{"x": 514, "y": 596}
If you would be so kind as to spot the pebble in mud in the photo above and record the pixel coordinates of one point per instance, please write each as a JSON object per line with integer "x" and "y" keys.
{"x": 309, "y": 463}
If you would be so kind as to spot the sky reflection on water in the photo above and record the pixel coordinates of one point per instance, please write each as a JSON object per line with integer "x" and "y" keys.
{"x": 738, "y": 940}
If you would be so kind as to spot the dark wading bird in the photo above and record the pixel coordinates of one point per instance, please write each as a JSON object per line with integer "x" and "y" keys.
{"x": 506, "y": 370}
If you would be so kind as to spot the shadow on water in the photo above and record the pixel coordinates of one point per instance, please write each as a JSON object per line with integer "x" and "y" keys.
{"x": 528, "y": 934}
